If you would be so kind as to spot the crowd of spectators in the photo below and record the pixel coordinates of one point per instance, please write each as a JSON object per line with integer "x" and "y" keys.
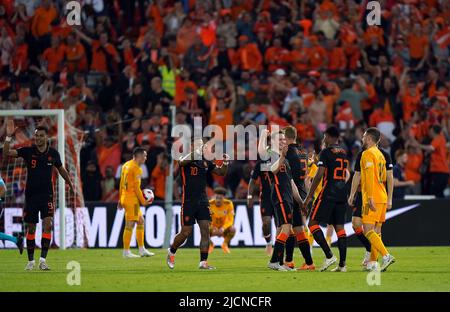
{"x": 300, "y": 62}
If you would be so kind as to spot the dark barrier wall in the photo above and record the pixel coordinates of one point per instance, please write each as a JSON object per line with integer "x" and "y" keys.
{"x": 409, "y": 223}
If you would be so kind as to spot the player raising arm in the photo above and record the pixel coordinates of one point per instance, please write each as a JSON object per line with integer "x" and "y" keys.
{"x": 283, "y": 193}
{"x": 40, "y": 159}
{"x": 195, "y": 203}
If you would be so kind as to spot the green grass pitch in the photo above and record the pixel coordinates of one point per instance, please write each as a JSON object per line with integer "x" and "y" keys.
{"x": 417, "y": 269}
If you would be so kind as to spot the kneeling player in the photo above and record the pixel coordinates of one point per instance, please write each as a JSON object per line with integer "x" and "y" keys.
{"x": 222, "y": 215}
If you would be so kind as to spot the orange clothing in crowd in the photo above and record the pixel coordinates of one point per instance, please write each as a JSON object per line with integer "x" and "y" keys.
{"x": 128, "y": 58}
{"x": 42, "y": 19}
{"x": 410, "y": 104}
{"x": 328, "y": 5}
{"x": 417, "y": 44}
{"x": 420, "y": 130}
{"x": 221, "y": 119}
{"x": 154, "y": 12}
{"x": 149, "y": 136}
{"x": 277, "y": 55}
{"x": 412, "y": 167}
{"x": 186, "y": 36}
{"x": 299, "y": 59}
{"x": 20, "y": 58}
{"x": 108, "y": 156}
{"x": 374, "y": 31}
{"x": 330, "y": 100}
{"x": 336, "y": 59}
{"x": 317, "y": 57}
{"x": 380, "y": 115}
{"x": 208, "y": 34}
{"x": 438, "y": 161}
{"x": 180, "y": 87}
{"x": 366, "y": 104}
{"x": 306, "y": 24}
{"x": 353, "y": 54}
{"x": 54, "y": 58}
{"x": 305, "y": 131}
{"x": 99, "y": 59}
{"x": 158, "y": 181}
{"x": 72, "y": 54}
{"x": 249, "y": 58}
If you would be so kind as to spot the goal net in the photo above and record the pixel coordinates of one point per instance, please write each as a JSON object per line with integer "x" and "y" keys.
{"x": 67, "y": 139}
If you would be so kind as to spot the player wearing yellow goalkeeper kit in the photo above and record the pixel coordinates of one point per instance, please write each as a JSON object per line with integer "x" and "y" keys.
{"x": 222, "y": 215}
{"x": 131, "y": 199}
{"x": 374, "y": 195}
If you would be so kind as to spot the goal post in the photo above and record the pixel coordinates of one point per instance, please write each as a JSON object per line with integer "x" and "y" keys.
{"x": 59, "y": 115}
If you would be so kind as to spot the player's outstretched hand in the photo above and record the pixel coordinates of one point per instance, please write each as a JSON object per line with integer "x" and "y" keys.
{"x": 265, "y": 133}
{"x": 389, "y": 206}
{"x": 351, "y": 199}
{"x": 10, "y": 127}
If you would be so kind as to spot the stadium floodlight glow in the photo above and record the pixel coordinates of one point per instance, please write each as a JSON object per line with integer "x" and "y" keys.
{"x": 59, "y": 114}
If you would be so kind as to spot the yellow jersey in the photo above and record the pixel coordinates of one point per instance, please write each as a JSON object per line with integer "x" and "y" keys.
{"x": 130, "y": 183}
{"x": 373, "y": 176}
{"x": 222, "y": 216}
{"x": 311, "y": 174}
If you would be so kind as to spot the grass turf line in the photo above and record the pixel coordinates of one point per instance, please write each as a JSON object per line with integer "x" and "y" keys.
{"x": 416, "y": 269}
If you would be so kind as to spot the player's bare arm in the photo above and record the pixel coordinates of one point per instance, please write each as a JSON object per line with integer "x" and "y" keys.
{"x": 195, "y": 154}
{"x": 65, "y": 175}
{"x": 250, "y": 192}
{"x": 10, "y": 130}
{"x": 316, "y": 181}
{"x": 263, "y": 149}
{"x": 296, "y": 194}
{"x": 223, "y": 169}
{"x": 277, "y": 164}
{"x": 390, "y": 187}
{"x": 355, "y": 183}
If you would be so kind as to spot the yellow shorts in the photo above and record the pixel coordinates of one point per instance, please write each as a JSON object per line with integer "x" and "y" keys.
{"x": 373, "y": 217}
{"x": 132, "y": 210}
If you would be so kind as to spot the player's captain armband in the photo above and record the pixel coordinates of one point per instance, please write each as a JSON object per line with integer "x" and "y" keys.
{"x": 368, "y": 164}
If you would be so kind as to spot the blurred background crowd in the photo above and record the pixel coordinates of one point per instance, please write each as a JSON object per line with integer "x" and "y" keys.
{"x": 300, "y": 62}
